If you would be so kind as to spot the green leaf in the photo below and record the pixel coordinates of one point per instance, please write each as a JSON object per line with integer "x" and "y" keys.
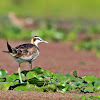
{"x": 14, "y": 76}
{"x": 76, "y": 83}
{"x": 36, "y": 81}
{"x": 52, "y": 87}
{"x": 38, "y": 70}
{"x": 90, "y": 78}
{"x": 83, "y": 97}
{"x": 97, "y": 88}
{"x": 75, "y": 74}
{"x": 70, "y": 77}
{"x": 73, "y": 87}
{"x": 63, "y": 87}
{"x": 88, "y": 89}
{"x": 47, "y": 73}
{"x": 28, "y": 87}
{"x": 5, "y": 85}
{"x": 3, "y": 73}
{"x": 40, "y": 77}
{"x": 31, "y": 74}
{"x": 2, "y": 79}
{"x": 62, "y": 78}
{"x": 77, "y": 97}
{"x": 43, "y": 89}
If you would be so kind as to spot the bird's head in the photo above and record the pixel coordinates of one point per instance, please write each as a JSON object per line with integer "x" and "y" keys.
{"x": 11, "y": 15}
{"x": 36, "y": 39}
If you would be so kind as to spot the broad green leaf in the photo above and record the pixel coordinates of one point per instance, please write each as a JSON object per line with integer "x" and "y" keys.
{"x": 14, "y": 76}
{"x": 52, "y": 87}
{"x": 38, "y": 70}
{"x": 97, "y": 82}
{"x": 90, "y": 78}
{"x": 62, "y": 78}
{"x": 40, "y": 77}
{"x": 88, "y": 89}
{"x": 70, "y": 77}
{"x": 5, "y": 85}
{"x": 43, "y": 89}
{"x": 28, "y": 87}
{"x": 97, "y": 88}
{"x": 2, "y": 79}
{"x": 36, "y": 81}
{"x": 3, "y": 73}
{"x": 31, "y": 74}
{"x": 47, "y": 73}
{"x": 83, "y": 97}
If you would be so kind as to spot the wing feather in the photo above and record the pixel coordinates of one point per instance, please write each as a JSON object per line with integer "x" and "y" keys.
{"x": 25, "y": 50}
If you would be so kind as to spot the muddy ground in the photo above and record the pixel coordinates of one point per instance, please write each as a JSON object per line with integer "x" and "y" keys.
{"x": 55, "y": 57}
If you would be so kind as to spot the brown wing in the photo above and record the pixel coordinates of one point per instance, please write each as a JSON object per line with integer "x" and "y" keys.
{"x": 25, "y": 50}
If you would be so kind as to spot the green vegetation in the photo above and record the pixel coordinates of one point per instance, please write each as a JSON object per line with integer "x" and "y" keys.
{"x": 88, "y": 98}
{"x": 45, "y": 81}
{"x": 49, "y": 34}
{"x": 94, "y": 29}
{"x": 92, "y": 44}
{"x": 14, "y": 33}
{"x": 88, "y": 9}
{"x": 47, "y": 31}
{"x": 54, "y": 35}
{"x": 91, "y": 41}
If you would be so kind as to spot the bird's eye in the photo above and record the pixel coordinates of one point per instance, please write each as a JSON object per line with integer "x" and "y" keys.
{"x": 34, "y": 39}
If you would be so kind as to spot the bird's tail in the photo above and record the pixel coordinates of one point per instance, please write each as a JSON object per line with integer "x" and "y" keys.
{"x": 9, "y": 48}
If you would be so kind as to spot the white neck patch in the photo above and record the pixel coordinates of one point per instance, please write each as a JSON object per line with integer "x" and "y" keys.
{"x": 36, "y": 42}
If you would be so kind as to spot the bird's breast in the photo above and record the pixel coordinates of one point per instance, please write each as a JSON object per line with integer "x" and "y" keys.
{"x": 28, "y": 58}
{"x": 36, "y": 55}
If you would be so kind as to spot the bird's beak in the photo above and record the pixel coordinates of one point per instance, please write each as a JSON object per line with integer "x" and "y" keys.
{"x": 44, "y": 41}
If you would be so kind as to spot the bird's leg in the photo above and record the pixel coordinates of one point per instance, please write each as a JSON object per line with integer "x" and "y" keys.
{"x": 19, "y": 74}
{"x": 30, "y": 64}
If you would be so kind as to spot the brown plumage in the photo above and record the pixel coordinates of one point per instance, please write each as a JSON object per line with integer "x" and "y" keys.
{"x": 25, "y": 52}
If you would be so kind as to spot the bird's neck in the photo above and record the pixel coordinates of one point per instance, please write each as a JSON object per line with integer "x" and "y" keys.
{"x": 34, "y": 42}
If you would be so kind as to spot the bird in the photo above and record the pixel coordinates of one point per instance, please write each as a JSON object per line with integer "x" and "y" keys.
{"x": 22, "y": 22}
{"x": 25, "y": 52}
